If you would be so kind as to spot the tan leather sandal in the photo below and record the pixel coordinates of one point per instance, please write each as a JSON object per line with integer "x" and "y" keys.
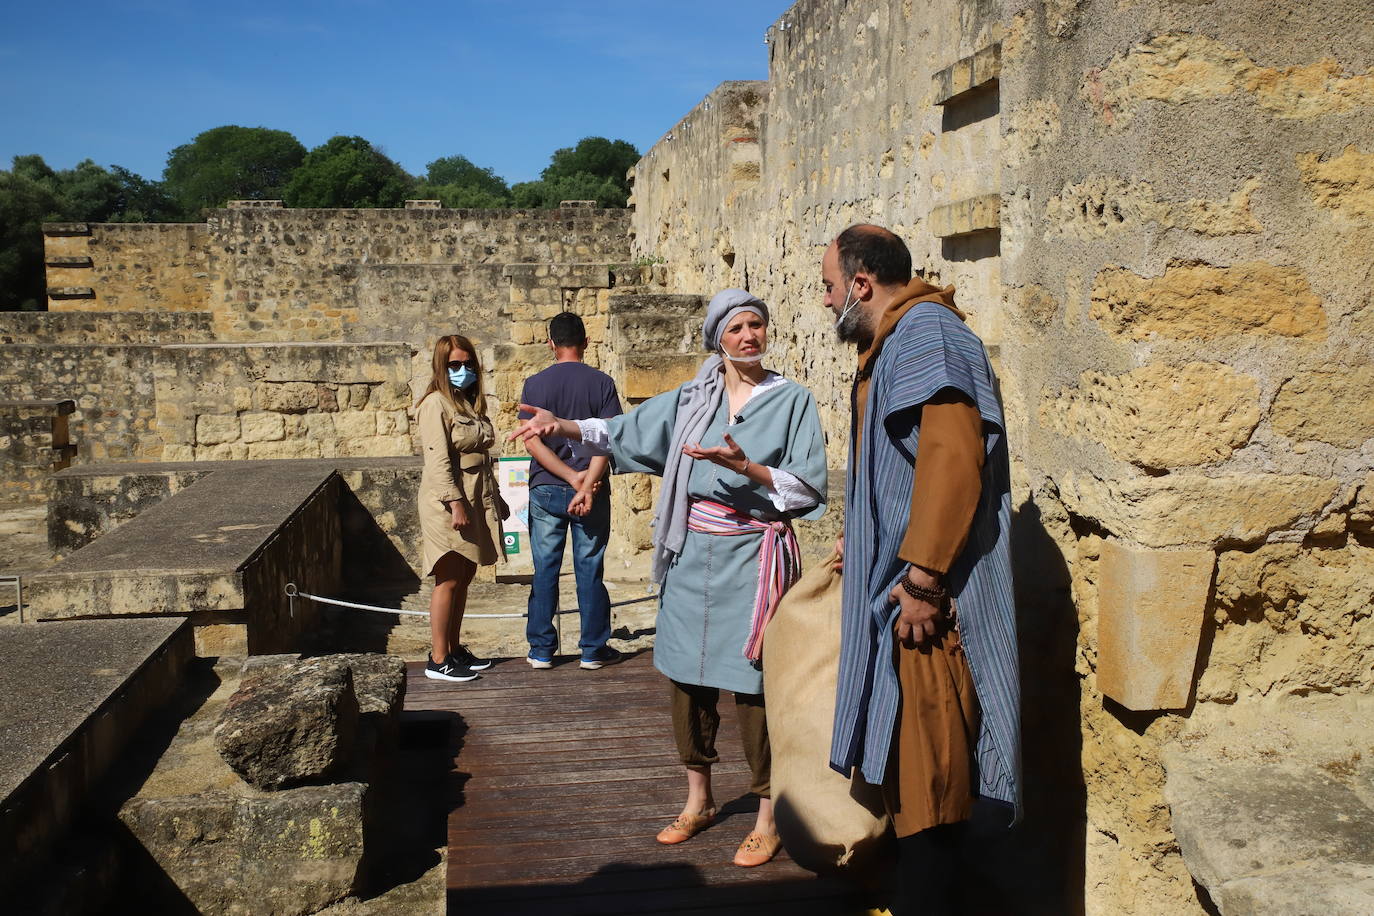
{"x": 685, "y": 827}
{"x": 757, "y": 849}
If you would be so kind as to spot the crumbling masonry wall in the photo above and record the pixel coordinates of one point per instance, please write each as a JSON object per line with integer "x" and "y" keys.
{"x": 1159, "y": 218}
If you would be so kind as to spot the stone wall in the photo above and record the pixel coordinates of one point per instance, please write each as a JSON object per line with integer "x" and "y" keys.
{"x": 112, "y": 386}
{"x": 370, "y": 275}
{"x": 33, "y": 444}
{"x": 1158, "y": 218}
{"x": 750, "y": 186}
{"x": 1187, "y": 234}
{"x": 237, "y": 401}
{"x": 121, "y": 266}
{"x": 104, "y": 327}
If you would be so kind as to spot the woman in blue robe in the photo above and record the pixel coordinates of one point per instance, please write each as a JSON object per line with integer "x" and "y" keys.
{"x": 741, "y": 453}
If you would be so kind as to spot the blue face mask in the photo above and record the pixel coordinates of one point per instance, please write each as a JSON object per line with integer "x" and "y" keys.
{"x": 462, "y": 379}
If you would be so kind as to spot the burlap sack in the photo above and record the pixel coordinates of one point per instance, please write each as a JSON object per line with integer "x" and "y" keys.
{"x": 827, "y": 822}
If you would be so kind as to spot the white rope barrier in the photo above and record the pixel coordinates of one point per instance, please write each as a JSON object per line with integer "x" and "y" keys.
{"x": 292, "y": 593}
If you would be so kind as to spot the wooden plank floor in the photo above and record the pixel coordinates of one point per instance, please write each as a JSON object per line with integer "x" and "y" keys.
{"x": 561, "y": 779}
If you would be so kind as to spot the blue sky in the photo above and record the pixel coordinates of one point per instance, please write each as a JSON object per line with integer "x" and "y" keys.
{"x": 503, "y": 83}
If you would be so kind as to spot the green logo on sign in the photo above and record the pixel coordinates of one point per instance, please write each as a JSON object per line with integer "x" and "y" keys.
{"x": 512, "y": 541}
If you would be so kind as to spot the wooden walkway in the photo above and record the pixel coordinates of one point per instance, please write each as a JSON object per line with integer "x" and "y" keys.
{"x": 561, "y": 779}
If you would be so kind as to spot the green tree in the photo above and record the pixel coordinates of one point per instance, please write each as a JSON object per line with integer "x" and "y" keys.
{"x": 231, "y": 163}
{"x": 143, "y": 201}
{"x": 547, "y": 193}
{"x": 594, "y": 169}
{"x": 594, "y": 156}
{"x": 347, "y": 172}
{"x": 459, "y": 183}
{"x": 27, "y": 199}
{"x": 459, "y": 171}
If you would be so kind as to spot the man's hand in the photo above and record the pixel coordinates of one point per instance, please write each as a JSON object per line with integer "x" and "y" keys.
{"x": 919, "y": 620}
{"x": 582, "y": 502}
{"x": 458, "y": 512}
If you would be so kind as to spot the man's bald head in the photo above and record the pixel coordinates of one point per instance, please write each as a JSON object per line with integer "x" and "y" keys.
{"x": 877, "y": 252}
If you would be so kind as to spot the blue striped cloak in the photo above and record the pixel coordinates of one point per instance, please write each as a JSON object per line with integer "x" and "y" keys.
{"x": 929, "y": 349}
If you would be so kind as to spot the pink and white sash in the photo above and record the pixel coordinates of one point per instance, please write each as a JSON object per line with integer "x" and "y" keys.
{"x": 779, "y": 560}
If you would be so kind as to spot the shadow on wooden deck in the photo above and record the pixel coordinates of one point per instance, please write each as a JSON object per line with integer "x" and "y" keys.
{"x": 561, "y": 778}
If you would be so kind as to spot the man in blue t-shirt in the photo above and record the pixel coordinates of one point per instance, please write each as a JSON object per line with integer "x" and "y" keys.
{"x": 568, "y": 388}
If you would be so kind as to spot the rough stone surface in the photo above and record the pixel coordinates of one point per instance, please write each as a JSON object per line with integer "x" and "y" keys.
{"x": 1330, "y": 405}
{"x": 1196, "y": 300}
{"x": 291, "y": 725}
{"x": 1191, "y": 509}
{"x": 293, "y": 852}
{"x": 1161, "y": 416}
{"x": 1343, "y": 184}
{"x": 1150, "y": 616}
{"x": 1273, "y": 805}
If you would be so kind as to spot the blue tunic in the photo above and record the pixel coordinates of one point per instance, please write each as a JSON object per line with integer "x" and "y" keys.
{"x": 930, "y": 349}
{"x": 707, "y": 599}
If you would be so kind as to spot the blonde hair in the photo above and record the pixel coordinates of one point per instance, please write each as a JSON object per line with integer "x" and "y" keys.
{"x": 476, "y": 403}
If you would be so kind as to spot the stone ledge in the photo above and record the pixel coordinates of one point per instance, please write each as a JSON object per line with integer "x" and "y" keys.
{"x": 963, "y": 76}
{"x": 54, "y": 260}
{"x": 61, "y": 229}
{"x": 424, "y": 205}
{"x": 60, "y": 406}
{"x": 71, "y": 292}
{"x": 255, "y": 205}
{"x": 964, "y": 217}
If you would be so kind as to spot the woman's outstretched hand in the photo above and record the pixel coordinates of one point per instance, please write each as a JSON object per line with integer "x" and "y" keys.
{"x": 729, "y": 456}
{"x": 542, "y": 424}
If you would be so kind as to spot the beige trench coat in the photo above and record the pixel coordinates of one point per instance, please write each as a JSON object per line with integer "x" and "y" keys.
{"x": 458, "y": 467}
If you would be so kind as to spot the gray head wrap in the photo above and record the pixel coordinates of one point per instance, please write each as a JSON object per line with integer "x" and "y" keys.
{"x": 724, "y": 306}
{"x": 697, "y": 403}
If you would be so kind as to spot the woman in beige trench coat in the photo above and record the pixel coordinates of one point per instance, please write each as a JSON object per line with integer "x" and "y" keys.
{"x": 460, "y": 506}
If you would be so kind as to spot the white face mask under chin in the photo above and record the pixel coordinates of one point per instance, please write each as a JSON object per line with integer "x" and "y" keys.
{"x": 845, "y": 309}
{"x": 746, "y": 360}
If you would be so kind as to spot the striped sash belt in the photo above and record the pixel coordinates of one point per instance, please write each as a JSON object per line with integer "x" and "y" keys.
{"x": 779, "y": 560}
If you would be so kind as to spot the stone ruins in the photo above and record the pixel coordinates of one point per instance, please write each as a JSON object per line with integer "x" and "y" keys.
{"x": 1160, "y": 218}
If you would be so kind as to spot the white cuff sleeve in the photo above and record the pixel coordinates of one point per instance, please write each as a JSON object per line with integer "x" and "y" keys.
{"x": 790, "y": 493}
{"x": 596, "y": 436}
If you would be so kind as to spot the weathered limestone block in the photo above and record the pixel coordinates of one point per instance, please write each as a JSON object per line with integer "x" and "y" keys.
{"x": 1291, "y": 619}
{"x": 1193, "y": 510}
{"x": 1362, "y": 512}
{"x": 1344, "y": 183}
{"x": 1193, "y": 300}
{"x": 1271, "y": 803}
{"x": 646, "y": 376}
{"x": 1333, "y": 405}
{"x": 1161, "y": 416}
{"x": 293, "y": 852}
{"x": 355, "y": 424}
{"x": 262, "y": 427}
{"x": 974, "y": 214}
{"x": 215, "y": 429}
{"x": 1106, "y": 203}
{"x": 288, "y": 397}
{"x": 1151, "y": 604}
{"x": 290, "y": 725}
{"x": 1182, "y": 67}
{"x": 285, "y": 448}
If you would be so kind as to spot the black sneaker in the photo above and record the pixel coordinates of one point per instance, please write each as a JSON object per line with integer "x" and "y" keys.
{"x": 465, "y": 659}
{"x": 601, "y": 658}
{"x": 448, "y": 670}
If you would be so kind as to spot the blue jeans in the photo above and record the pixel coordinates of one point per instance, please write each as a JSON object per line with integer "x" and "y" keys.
{"x": 549, "y": 522}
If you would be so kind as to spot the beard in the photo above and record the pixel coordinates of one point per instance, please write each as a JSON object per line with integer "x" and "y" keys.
{"x": 855, "y": 328}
